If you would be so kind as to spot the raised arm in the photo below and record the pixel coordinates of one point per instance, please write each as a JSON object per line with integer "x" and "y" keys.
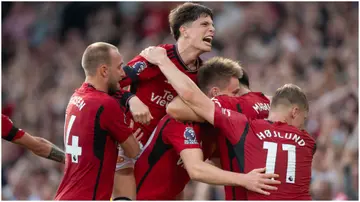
{"x": 181, "y": 111}
{"x": 184, "y": 86}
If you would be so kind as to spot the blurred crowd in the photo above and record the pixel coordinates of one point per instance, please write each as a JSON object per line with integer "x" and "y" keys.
{"x": 314, "y": 45}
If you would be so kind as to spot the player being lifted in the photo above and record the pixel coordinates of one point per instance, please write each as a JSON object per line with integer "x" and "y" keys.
{"x": 192, "y": 27}
{"x": 279, "y": 143}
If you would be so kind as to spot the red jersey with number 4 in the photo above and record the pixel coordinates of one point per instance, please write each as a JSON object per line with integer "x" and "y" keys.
{"x": 160, "y": 172}
{"x": 254, "y": 105}
{"x": 94, "y": 125}
{"x": 8, "y": 131}
{"x": 281, "y": 148}
{"x": 151, "y": 86}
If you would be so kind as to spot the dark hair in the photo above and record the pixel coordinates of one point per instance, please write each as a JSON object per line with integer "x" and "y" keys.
{"x": 290, "y": 94}
{"x": 244, "y": 78}
{"x": 94, "y": 55}
{"x": 185, "y": 13}
{"x": 217, "y": 72}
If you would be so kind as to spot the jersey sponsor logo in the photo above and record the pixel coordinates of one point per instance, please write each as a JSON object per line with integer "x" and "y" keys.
{"x": 139, "y": 67}
{"x": 189, "y": 136}
{"x": 162, "y": 100}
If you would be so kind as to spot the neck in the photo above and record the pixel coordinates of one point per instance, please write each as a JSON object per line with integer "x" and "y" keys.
{"x": 187, "y": 52}
{"x": 276, "y": 115}
{"x": 244, "y": 90}
{"x": 98, "y": 85}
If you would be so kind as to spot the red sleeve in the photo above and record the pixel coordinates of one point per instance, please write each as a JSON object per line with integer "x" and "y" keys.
{"x": 181, "y": 136}
{"x": 139, "y": 69}
{"x": 113, "y": 120}
{"x": 231, "y": 124}
{"x": 8, "y": 131}
{"x": 227, "y": 102}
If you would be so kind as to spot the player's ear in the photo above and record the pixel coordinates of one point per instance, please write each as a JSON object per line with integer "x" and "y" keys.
{"x": 214, "y": 91}
{"x": 183, "y": 31}
{"x": 295, "y": 111}
{"x": 104, "y": 70}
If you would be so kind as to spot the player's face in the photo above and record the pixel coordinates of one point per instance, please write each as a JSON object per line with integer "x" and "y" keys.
{"x": 200, "y": 33}
{"x": 231, "y": 90}
{"x": 117, "y": 72}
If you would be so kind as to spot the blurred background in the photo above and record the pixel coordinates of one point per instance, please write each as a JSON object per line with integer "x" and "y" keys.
{"x": 314, "y": 45}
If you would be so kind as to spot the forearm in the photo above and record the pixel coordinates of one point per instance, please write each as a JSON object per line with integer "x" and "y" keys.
{"x": 210, "y": 174}
{"x": 49, "y": 151}
{"x": 188, "y": 91}
{"x": 181, "y": 111}
{"x": 183, "y": 85}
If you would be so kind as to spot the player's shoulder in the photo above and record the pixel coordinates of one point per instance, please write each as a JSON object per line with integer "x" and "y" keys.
{"x": 255, "y": 97}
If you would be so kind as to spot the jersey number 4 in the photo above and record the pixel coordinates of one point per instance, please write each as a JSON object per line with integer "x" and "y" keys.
{"x": 271, "y": 159}
{"x": 74, "y": 150}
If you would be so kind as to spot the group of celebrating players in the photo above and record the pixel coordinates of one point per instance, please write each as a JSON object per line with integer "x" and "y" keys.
{"x": 148, "y": 142}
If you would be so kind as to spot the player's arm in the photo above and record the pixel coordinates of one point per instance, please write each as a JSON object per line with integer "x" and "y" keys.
{"x": 184, "y": 86}
{"x": 138, "y": 109}
{"x": 41, "y": 147}
{"x": 114, "y": 122}
{"x": 181, "y": 111}
{"x": 204, "y": 172}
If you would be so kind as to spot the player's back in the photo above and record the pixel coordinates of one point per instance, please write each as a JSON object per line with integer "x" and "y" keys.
{"x": 151, "y": 86}
{"x": 160, "y": 172}
{"x": 254, "y": 105}
{"x": 284, "y": 150}
{"x": 91, "y": 151}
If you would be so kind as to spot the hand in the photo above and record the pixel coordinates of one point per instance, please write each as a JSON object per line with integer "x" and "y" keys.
{"x": 139, "y": 111}
{"x": 154, "y": 55}
{"x": 256, "y": 181}
{"x": 138, "y": 135}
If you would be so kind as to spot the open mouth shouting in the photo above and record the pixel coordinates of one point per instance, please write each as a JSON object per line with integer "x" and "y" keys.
{"x": 208, "y": 40}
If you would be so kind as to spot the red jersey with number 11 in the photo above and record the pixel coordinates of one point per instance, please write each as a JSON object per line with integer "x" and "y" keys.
{"x": 281, "y": 148}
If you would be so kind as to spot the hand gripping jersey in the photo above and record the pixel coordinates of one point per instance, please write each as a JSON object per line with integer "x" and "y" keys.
{"x": 94, "y": 126}
{"x": 281, "y": 148}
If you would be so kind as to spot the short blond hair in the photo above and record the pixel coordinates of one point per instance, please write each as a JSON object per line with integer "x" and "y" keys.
{"x": 290, "y": 94}
{"x": 217, "y": 71}
{"x": 96, "y": 54}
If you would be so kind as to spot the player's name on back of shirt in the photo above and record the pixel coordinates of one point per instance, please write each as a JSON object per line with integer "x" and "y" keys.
{"x": 260, "y": 106}
{"x": 282, "y": 135}
{"x": 78, "y": 102}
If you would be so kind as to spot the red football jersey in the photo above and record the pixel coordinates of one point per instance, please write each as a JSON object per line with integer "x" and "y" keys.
{"x": 281, "y": 148}
{"x": 94, "y": 125}
{"x": 152, "y": 87}
{"x": 8, "y": 131}
{"x": 254, "y": 105}
{"x": 160, "y": 172}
